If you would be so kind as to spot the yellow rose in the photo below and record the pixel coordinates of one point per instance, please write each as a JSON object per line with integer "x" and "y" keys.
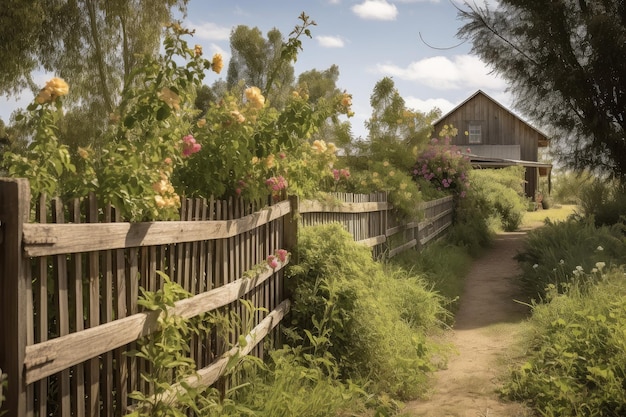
{"x": 238, "y": 116}
{"x": 58, "y": 87}
{"x": 201, "y": 123}
{"x": 160, "y": 201}
{"x": 319, "y": 146}
{"x": 44, "y": 96}
{"x": 255, "y": 98}
{"x": 160, "y": 187}
{"x": 217, "y": 63}
{"x": 346, "y": 100}
{"x": 83, "y": 153}
{"x": 197, "y": 50}
{"x": 170, "y": 98}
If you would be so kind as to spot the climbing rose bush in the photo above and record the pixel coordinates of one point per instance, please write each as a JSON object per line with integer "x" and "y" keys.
{"x": 443, "y": 165}
{"x": 149, "y": 135}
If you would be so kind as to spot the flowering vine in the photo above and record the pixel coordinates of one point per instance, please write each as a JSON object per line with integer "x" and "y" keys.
{"x": 444, "y": 165}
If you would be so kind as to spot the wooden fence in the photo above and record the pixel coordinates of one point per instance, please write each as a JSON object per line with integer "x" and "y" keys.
{"x": 70, "y": 282}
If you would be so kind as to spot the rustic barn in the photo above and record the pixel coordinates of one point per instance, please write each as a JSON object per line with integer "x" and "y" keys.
{"x": 496, "y": 138}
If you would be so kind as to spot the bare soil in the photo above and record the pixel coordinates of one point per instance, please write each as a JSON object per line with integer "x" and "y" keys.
{"x": 486, "y": 335}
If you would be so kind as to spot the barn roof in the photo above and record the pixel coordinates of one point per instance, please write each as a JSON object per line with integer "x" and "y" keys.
{"x": 542, "y": 142}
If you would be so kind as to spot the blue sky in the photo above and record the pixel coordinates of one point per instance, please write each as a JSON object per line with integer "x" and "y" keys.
{"x": 367, "y": 39}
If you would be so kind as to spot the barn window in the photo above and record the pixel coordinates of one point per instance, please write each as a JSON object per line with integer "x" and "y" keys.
{"x": 475, "y": 134}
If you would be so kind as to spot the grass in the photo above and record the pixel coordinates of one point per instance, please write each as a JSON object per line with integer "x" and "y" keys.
{"x": 556, "y": 214}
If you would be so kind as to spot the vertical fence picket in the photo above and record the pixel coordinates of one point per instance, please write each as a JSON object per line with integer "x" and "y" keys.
{"x": 76, "y": 289}
{"x": 62, "y": 309}
{"x": 92, "y": 288}
{"x": 14, "y": 212}
{"x": 121, "y": 379}
{"x": 93, "y": 370}
{"x": 41, "y": 307}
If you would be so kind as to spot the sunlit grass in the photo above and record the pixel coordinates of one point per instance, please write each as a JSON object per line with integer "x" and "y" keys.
{"x": 556, "y": 214}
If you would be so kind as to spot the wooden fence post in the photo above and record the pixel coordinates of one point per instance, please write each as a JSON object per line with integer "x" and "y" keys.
{"x": 14, "y": 212}
{"x": 291, "y": 227}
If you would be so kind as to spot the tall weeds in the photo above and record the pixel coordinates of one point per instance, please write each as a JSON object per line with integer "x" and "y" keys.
{"x": 373, "y": 320}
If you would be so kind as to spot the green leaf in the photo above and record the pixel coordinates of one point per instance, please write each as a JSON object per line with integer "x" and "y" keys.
{"x": 129, "y": 121}
{"x": 163, "y": 112}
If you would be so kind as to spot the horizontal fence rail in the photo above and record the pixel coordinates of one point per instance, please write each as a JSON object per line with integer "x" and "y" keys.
{"x": 72, "y": 273}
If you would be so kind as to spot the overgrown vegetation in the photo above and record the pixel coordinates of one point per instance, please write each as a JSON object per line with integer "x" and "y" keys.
{"x": 359, "y": 339}
{"x": 555, "y": 253}
{"x": 604, "y": 201}
{"x": 573, "y": 271}
{"x": 576, "y": 364}
{"x": 373, "y": 320}
{"x": 502, "y": 191}
{"x": 567, "y": 186}
{"x": 442, "y": 265}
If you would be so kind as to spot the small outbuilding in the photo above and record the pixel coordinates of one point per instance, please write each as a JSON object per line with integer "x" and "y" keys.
{"x": 494, "y": 137}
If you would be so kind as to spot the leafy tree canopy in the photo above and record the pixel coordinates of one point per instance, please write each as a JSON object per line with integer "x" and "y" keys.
{"x": 565, "y": 62}
{"x": 94, "y": 45}
{"x": 395, "y": 130}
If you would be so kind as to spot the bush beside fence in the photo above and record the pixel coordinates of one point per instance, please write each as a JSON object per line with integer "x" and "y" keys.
{"x": 70, "y": 284}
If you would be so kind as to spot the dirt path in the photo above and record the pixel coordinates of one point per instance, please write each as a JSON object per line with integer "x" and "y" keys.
{"x": 486, "y": 333}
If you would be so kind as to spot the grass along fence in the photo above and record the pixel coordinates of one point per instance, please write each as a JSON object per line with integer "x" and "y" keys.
{"x": 70, "y": 281}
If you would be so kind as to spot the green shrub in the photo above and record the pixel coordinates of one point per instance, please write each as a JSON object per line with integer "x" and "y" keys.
{"x": 567, "y": 186}
{"x": 556, "y": 252}
{"x": 295, "y": 383}
{"x": 470, "y": 229}
{"x": 577, "y": 363}
{"x": 442, "y": 265}
{"x": 502, "y": 189}
{"x": 604, "y": 201}
{"x": 372, "y": 320}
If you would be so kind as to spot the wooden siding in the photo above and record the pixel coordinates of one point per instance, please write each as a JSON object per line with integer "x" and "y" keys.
{"x": 499, "y": 127}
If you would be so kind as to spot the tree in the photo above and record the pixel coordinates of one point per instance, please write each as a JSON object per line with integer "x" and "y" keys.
{"x": 266, "y": 64}
{"x": 320, "y": 87}
{"x": 395, "y": 130}
{"x": 19, "y": 25}
{"x": 253, "y": 60}
{"x": 94, "y": 45}
{"x": 565, "y": 62}
{"x": 320, "y": 84}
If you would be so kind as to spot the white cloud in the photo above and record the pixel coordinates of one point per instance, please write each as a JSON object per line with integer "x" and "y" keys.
{"x": 444, "y": 73}
{"x": 216, "y": 49}
{"x": 330, "y": 41}
{"x": 211, "y": 31}
{"x": 429, "y": 104}
{"x": 376, "y": 10}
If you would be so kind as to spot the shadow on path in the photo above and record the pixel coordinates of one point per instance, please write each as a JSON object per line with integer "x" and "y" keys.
{"x": 491, "y": 291}
{"x": 486, "y": 335}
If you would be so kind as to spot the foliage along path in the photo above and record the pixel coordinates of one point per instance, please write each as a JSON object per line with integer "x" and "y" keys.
{"x": 486, "y": 336}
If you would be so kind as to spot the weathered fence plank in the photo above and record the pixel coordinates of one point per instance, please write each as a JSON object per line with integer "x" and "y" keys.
{"x": 78, "y": 303}
{"x": 52, "y": 239}
{"x": 14, "y": 213}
